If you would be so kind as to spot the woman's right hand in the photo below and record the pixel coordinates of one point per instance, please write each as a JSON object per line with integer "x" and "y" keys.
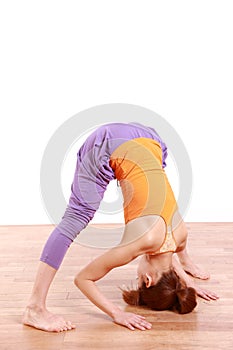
{"x": 131, "y": 321}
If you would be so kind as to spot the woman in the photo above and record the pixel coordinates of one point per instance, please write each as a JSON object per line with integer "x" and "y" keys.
{"x": 134, "y": 155}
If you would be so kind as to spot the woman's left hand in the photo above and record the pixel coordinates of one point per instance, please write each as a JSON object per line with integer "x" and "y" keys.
{"x": 205, "y": 294}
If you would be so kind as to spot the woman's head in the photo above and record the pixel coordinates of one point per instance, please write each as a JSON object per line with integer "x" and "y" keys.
{"x": 167, "y": 294}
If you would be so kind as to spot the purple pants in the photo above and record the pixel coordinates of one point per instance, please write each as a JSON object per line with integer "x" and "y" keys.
{"x": 92, "y": 175}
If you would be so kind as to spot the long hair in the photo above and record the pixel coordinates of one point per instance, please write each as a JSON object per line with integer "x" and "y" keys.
{"x": 167, "y": 294}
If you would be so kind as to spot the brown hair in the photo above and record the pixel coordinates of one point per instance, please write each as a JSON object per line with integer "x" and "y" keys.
{"x": 167, "y": 294}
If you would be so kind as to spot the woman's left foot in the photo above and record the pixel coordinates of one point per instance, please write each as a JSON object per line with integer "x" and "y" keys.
{"x": 194, "y": 270}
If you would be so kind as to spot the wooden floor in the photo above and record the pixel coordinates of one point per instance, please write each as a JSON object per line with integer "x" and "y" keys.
{"x": 210, "y": 326}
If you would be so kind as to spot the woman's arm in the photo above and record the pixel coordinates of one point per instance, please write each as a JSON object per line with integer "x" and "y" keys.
{"x": 86, "y": 278}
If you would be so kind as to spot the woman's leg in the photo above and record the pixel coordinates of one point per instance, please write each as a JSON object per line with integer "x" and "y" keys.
{"x": 36, "y": 313}
{"x": 185, "y": 261}
{"x": 180, "y": 230}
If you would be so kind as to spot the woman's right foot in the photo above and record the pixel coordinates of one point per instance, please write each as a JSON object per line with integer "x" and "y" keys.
{"x": 44, "y": 320}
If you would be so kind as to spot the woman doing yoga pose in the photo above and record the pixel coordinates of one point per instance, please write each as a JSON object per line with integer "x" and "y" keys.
{"x": 154, "y": 230}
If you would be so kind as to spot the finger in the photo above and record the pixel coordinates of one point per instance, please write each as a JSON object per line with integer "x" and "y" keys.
{"x": 139, "y": 326}
{"x": 145, "y": 326}
{"x": 128, "y": 325}
{"x": 148, "y": 325}
{"x": 139, "y": 317}
{"x": 213, "y": 296}
{"x": 142, "y": 325}
{"x": 210, "y": 295}
{"x": 206, "y": 297}
{"x": 141, "y": 320}
{"x": 203, "y": 295}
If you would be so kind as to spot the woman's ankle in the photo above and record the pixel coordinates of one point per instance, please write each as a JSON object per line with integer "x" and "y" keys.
{"x": 35, "y": 306}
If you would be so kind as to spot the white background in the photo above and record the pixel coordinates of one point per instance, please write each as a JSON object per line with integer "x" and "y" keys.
{"x": 61, "y": 57}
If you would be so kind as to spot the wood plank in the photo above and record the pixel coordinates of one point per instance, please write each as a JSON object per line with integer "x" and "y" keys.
{"x": 209, "y": 326}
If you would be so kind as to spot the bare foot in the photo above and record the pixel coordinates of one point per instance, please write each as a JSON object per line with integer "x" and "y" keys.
{"x": 44, "y": 320}
{"x": 193, "y": 269}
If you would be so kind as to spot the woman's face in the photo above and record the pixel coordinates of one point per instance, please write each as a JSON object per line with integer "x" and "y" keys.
{"x": 148, "y": 272}
{"x": 151, "y": 268}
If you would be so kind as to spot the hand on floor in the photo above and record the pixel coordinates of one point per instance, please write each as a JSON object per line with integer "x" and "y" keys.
{"x": 132, "y": 321}
{"x": 205, "y": 294}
